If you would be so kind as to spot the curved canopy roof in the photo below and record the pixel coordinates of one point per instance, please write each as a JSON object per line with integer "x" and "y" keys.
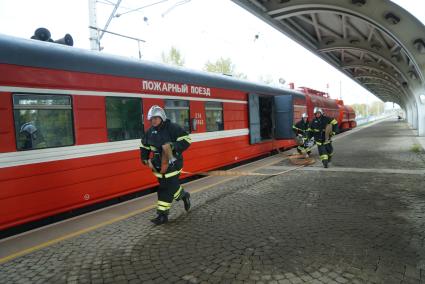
{"x": 376, "y": 43}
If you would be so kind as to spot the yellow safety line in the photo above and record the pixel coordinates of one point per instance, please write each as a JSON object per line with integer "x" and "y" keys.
{"x": 86, "y": 230}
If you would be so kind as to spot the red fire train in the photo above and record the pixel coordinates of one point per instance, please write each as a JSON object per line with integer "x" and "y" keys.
{"x": 71, "y": 122}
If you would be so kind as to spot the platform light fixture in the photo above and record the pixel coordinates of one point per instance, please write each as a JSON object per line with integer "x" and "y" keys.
{"x": 392, "y": 18}
{"x": 419, "y": 45}
{"x": 358, "y": 2}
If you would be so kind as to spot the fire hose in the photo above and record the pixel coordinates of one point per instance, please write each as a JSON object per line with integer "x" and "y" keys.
{"x": 298, "y": 160}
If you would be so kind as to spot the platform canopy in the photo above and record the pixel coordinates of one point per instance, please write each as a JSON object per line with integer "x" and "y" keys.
{"x": 375, "y": 42}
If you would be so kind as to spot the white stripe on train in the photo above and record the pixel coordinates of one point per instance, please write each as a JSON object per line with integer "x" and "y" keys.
{"x": 12, "y": 159}
{"x": 109, "y": 94}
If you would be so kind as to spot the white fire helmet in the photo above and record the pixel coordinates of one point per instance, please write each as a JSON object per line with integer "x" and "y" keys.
{"x": 157, "y": 111}
{"x": 304, "y": 115}
{"x": 318, "y": 109}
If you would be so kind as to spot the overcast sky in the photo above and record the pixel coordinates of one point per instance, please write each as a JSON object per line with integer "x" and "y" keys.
{"x": 201, "y": 29}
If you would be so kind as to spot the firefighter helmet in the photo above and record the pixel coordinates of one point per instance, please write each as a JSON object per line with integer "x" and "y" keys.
{"x": 158, "y": 112}
{"x": 317, "y": 109}
{"x": 304, "y": 115}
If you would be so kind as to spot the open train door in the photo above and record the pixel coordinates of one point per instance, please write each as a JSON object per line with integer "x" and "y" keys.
{"x": 254, "y": 119}
{"x": 284, "y": 117}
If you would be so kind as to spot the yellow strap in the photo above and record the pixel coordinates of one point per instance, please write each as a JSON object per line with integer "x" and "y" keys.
{"x": 163, "y": 203}
{"x": 334, "y": 121}
{"x": 172, "y": 174}
{"x": 158, "y": 175}
{"x": 161, "y": 208}
{"x": 153, "y": 148}
{"x": 177, "y": 194}
{"x": 323, "y": 157}
{"x": 145, "y": 147}
{"x": 186, "y": 137}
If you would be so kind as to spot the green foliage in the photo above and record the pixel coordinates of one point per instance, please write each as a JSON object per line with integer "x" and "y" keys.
{"x": 416, "y": 148}
{"x": 360, "y": 109}
{"x": 173, "y": 57}
{"x": 376, "y": 108}
{"x": 224, "y": 66}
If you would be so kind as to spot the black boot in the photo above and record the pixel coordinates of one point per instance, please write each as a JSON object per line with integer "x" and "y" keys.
{"x": 325, "y": 163}
{"x": 162, "y": 218}
{"x": 186, "y": 200}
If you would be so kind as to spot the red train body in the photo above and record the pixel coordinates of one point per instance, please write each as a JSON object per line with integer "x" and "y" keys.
{"x": 85, "y": 108}
{"x": 345, "y": 115}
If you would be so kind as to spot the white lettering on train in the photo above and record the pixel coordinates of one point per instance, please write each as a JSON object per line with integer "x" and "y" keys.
{"x": 175, "y": 88}
{"x": 200, "y": 91}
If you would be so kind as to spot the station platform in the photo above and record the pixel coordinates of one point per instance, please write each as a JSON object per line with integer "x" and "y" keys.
{"x": 362, "y": 220}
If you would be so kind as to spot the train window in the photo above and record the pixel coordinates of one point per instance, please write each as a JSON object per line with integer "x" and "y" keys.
{"x": 42, "y": 121}
{"x": 214, "y": 116}
{"x": 178, "y": 112}
{"x": 124, "y": 119}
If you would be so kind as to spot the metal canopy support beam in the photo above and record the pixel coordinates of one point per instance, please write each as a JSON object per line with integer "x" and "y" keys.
{"x": 421, "y": 119}
{"x": 383, "y": 46}
{"x": 366, "y": 47}
{"x": 316, "y": 28}
{"x": 320, "y": 26}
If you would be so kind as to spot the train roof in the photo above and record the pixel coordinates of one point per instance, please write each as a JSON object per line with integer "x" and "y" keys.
{"x": 34, "y": 53}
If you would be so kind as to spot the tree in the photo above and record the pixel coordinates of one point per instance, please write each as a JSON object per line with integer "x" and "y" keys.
{"x": 376, "y": 108}
{"x": 224, "y": 66}
{"x": 173, "y": 57}
{"x": 360, "y": 109}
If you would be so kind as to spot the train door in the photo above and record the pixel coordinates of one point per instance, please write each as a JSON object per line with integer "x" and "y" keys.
{"x": 260, "y": 118}
{"x": 284, "y": 114}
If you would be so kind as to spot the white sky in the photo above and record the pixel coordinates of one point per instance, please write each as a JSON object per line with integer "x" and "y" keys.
{"x": 201, "y": 29}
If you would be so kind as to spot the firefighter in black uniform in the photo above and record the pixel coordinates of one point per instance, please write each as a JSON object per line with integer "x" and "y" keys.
{"x": 161, "y": 150}
{"x": 301, "y": 130}
{"x": 318, "y": 129}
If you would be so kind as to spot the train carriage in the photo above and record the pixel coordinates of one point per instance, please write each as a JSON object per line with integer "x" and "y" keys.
{"x": 72, "y": 119}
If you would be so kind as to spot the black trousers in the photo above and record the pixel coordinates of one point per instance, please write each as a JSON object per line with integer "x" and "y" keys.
{"x": 325, "y": 150}
{"x": 169, "y": 188}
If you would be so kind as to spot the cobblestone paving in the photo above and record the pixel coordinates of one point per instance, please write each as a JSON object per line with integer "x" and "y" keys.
{"x": 300, "y": 227}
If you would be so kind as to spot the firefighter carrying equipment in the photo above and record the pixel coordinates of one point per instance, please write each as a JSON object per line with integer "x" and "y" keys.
{"x": 322, "y": 129}
{"x": 162, "y": 146}
{"x": 318, "y": 128}
{"x": 301, "y": 129}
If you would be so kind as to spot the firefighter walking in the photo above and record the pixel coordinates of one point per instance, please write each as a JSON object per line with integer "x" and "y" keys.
{"x": 301, "y": 130}
{"x": 322, "y": 128}
{"x": 161, "y": 150}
